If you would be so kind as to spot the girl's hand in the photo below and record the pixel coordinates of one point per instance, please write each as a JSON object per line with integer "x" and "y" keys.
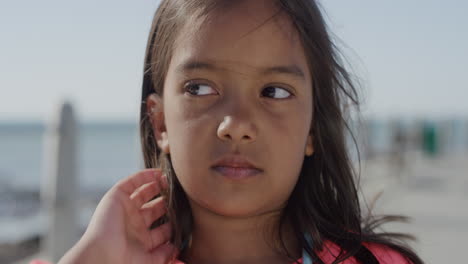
{"x": 119, "y": 229}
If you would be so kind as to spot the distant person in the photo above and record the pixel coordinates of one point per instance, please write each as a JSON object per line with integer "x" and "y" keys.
{"x": 398, "y": 151}
{"x": 243, "y": 138}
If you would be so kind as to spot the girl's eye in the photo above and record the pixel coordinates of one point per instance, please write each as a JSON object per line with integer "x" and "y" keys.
{"x": 280, "y": 93}
{"x": 198, "y": 89}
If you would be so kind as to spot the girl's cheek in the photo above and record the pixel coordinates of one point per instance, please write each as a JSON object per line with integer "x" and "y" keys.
{"x": 288, "y": 117}
{"x": 191, "y": 120}
{"x": 194, "y": 108}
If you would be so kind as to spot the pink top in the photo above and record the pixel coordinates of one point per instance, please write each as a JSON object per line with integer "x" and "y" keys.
{"x": 384, "y": 255}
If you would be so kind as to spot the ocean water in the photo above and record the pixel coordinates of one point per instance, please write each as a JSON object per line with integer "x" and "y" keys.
{"x": 107, "y": 152}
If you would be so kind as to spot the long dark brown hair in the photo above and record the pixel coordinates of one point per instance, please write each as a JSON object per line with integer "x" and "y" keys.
{"x": 324, "y": 202}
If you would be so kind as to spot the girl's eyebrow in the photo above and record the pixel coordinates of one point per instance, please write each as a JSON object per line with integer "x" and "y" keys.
{"x": 191, "y": 65}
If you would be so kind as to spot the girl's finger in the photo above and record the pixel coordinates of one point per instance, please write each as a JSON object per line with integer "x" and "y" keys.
{"x": 153, "y": 210}
{"x": 160, "y": 235}
{"x": 145, "y": 193}
{"x": 164, "y": 181}
{"x": 131, "y": 183}
{"x": 166, "y": 253}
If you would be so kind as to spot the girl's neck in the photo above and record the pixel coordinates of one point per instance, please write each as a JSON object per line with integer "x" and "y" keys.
{"x": 225, "y": 240}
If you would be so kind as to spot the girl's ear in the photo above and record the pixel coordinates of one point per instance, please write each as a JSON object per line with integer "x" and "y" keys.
{"x": 309, "y": 150}
{"x": 155, "y": 110}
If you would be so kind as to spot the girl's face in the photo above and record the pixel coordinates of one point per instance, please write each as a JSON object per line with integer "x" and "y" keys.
{"x": 240, "y": 85}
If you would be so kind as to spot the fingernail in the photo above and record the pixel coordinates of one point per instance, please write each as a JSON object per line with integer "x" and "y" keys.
{"x": 153, "y": 172}
{"x": 164, "y": 181}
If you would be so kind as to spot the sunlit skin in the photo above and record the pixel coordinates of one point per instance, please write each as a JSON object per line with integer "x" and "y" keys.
{"x": 239, "y": 85}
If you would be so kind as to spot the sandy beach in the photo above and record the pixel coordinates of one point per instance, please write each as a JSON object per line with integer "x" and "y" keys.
{"x": 434, "y": 194}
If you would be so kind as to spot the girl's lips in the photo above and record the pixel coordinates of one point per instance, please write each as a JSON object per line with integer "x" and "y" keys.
{"x": 237, "y": 173}
{"x": 235, "y": 161}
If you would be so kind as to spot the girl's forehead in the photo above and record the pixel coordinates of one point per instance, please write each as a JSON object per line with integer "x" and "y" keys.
{"x": 251, "y": 36}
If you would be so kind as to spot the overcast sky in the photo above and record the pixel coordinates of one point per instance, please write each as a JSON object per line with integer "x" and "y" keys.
{"x": 411, "y": 56}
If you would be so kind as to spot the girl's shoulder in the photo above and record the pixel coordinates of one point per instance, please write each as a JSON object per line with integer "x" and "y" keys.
{"x": 384, "y": 254}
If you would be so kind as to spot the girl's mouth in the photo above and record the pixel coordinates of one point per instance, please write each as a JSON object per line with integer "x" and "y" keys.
{"x": 236, "y": 167}
{"x": 236, "y": 173}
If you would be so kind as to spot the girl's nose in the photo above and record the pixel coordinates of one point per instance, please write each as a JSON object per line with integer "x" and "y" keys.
{"x": 233, "y": 128}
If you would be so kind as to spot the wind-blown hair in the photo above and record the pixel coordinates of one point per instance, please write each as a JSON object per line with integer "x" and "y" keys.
{"x": 324, "y": 202}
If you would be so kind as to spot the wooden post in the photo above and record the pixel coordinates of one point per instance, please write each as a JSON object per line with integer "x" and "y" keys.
{"x": 59, "y": 185}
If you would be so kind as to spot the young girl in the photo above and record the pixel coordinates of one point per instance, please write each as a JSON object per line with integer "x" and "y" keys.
{"x": 242, "y": 129}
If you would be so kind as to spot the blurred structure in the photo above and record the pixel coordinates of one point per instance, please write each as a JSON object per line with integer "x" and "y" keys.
{"x": 455, "y": 137}
{"x": 431, "y": 138}
{"x": 59, "y": 187}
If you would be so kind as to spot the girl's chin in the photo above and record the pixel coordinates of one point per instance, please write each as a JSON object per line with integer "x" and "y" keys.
{"x": 237, "y": 209}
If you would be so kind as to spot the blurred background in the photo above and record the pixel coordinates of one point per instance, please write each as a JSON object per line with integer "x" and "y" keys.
{"x": 409, "y": 57}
